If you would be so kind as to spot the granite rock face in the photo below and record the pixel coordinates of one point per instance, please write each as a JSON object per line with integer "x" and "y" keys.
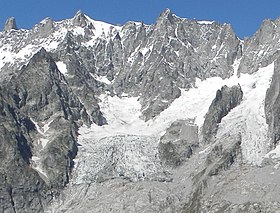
{"x": 10, "y": 24}
{"x": 40, "y": 119}
{"x": 262, "y": 48}
{"x": 226, "y": 99}
{"x": 272, "y": 106}
{"x": 178, "y": 143}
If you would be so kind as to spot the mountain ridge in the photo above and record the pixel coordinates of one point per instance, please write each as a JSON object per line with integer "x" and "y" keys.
{"x": 138, "y": 118}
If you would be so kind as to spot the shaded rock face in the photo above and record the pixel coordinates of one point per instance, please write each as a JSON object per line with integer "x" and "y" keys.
{"x": 10, "y": 24}
{"x": 44, "y": 28}
{"x": 178, "y": 143}
{"x": 272, "y": 108}
{"x": 39, "y": 122}
{"x": 262, "y": 48}
{"x": 226, "y": 99}
{"x": 21, "y": 188}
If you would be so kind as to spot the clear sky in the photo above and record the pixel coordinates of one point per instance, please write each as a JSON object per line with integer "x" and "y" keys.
{"x": 245, "y": 16}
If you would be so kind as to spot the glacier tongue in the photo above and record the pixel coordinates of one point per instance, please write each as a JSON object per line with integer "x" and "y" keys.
{"x": 129, "y": 156}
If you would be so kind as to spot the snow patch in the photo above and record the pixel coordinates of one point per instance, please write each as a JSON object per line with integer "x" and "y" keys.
{"x": 236, "y": 66}
{"x": 62, "y": 67}
{"x": 102, "y": 79}
{"x": 36, "y": 165}
{"x": 78, "y": 31}
{"x": 205, "y": 22}
{"x": 101, "y": 30}
{"x": 43, "y": 140}
{"x": 46, "y": 126}
{"x": 145, "y": 50}
{"x": 38, "y": 128}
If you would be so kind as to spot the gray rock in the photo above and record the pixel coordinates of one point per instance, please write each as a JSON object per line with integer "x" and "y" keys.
{"x": 178, "y": 143}
{"x": 21, "y": 188}
{"x": 43, "y": 29}
{"x": 272, "y": 108}
{"x": 262, "y": 48}
{"x": 10, "y": 24}
{"x": 152, "y": 62}
{"x": 37, "y": 94}
{"x": 226, "y": 99}
{"x": 81, "y": 20}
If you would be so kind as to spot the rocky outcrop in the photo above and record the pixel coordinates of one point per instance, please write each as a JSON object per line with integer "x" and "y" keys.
{"x": 40, "y": 116}
{"x": 226, "y": 99}
{"x": 219, "y": 159}
{"x": 262, "y": 48}
{"x": 10, "y": 24}
{"x": 178, "y": 143}
{"x": 272, "y": 107}
{"x": 21, "y": 187}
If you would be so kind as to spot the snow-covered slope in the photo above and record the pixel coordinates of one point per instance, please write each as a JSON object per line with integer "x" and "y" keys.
{"x": 21, "y": 45}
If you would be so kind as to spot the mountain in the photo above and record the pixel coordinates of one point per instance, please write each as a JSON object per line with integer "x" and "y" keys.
{"x": 178, "y": 116}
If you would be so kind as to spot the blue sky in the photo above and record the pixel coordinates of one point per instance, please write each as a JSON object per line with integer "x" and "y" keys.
{"x": 244, "y": 15}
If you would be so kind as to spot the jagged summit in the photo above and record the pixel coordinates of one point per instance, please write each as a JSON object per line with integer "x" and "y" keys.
{"x": 80, "y": 19}
{"x": 10, "y": 24}
{"x": 165, "y": 15}
{"x": 79, "y": 13}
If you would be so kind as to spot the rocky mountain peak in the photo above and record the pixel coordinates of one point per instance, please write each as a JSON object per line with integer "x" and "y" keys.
{"x": 47, "y": 22}
{"x": 166, "y": 15}
{"x": 81, "y": 20}
{"x": 10, "y": 24}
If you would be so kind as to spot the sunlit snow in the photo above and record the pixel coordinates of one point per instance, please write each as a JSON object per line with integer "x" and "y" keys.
{"x": 36, "y": 165}
{"x": 62, "y": 67}
{"x": 124, "y": 120}
{"x": 205, "y": 22}
{"x": 100, "y": 78}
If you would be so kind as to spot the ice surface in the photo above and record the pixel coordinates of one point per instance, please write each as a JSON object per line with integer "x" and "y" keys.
{"x": 248, "y": 119}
